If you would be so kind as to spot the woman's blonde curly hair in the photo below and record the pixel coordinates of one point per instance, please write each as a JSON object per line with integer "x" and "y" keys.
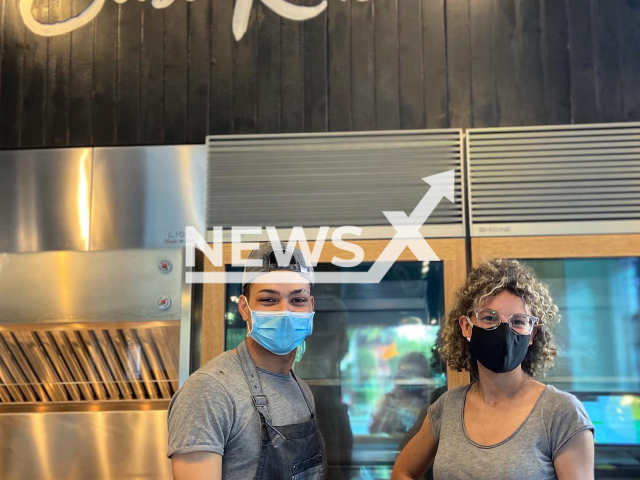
{"x": 487, "y": 280}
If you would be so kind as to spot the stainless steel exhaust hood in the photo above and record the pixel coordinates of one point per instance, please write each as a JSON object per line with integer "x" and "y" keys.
{"x": 87, "y": 199}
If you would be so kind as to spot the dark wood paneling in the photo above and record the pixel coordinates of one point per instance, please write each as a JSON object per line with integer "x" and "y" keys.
{"x": 555, "y": 64}
{"x": 222, "y": 48}
{"x": 363, "y": 80}
{"x": 584, "y": 100}
{"x": 434, "y": 50}
{"x": 58, "y": 81}
{"x": 607, "y": 58}
{"x": 175, "y": 73}
{"x": 339, "y": 40}
{"x": 532, "y": 75}
{"x": 387, "y": 94}
{"x": 411, "y": 67}
{"x": 152, "y": 77}
{"x": 506, "y": 48}
{"x": 139, "y": 75}
{"x": 315, "y": 72}
{"x": 269, "y": 70}
{"x": 483, "y": 87}
{"x": 245, "y": 70}
{"x": 81, "y": 80}
{"x": 199, "y": 70}
{"x": 105, "y": 74}
{"x": 629, "y": 13}
{"x": 35, "y": 83}
{"x": 11, "y": 76}
{"x": 128, "y": 79}
{"x": 292, "y": 98}
{"x": 458, "y": 60}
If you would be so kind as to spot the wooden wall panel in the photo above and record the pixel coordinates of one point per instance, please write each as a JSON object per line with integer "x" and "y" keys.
{"x": 339, "y": 64}
{"x": 459, "y": 63}
{"x": 506, "y": 50}
{"x": 583, "y": 86}
{"x": 292, "y": 77}
{"x": 136, "y": 75}
{"x": 128, "y": 73}
{"x": 555, "y": 62}
{"x": 315, "y": 72}
{"x": 81, "y": 80}
{"x": 175, "y": 73}
{"x": 387, "y": 101}
{"x": 35, "y": 82}
{"x": 269, "y": 70}
{"x": 152, "y": 77}
{"x": 11, "y": 76}
{"x": 58, "y": 69}
{"x": 221, "y": 72}
{"x": 105, "y": 74}
{"x": 532, "y": 73}
{"x": 483, "y": 85}
{"x": 410, "y": 63}
{"x": 363, "y": 78}
{"x": 199, "y": 38}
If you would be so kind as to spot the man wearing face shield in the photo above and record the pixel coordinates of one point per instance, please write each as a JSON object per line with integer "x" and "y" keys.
{"x": 245, "y": 414}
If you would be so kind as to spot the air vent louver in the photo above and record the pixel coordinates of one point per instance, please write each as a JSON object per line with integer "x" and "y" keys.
{"x": 554, "y": 180}
{"x": 312, "y": 180}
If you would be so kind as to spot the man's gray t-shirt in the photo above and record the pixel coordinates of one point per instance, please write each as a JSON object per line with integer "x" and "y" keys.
{"x": 528, "y": 453}
{"x": 214, "y": 412}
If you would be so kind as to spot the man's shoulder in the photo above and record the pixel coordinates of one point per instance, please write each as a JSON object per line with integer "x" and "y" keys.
{"x": 223, "y": 366}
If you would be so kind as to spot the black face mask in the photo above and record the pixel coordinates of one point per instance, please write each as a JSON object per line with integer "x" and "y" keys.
{"x": 499, "y": 350}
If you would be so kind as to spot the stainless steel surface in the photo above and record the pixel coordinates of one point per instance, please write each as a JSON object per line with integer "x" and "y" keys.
{"x": 186, "y": 310}
{"x": 66, "y": 363}
{"x": 103, "y": 445}
{"x": 144, "y": 197}
{"x": 54, "y": 287}
{"x": 45, "y": 199}
{"x": 577, "y": 179}
{"x": 313, "y": 180}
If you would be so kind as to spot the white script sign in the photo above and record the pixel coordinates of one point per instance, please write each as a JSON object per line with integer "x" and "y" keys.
{"x": 240, "y": 20}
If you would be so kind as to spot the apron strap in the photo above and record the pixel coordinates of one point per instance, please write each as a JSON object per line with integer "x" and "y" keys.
{"x": 303, "y": 394}
{"x": 259, "y": 399}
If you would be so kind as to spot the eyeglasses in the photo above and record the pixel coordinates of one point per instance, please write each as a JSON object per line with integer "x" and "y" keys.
{"x": 519, "y": 323}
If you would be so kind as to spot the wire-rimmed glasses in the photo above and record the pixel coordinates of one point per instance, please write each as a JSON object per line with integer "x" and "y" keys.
{"x": 519, "y": 323}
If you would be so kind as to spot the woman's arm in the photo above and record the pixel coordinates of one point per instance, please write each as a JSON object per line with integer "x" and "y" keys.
{"x": 575, "y": 460}
{"x": 417, "y": 456}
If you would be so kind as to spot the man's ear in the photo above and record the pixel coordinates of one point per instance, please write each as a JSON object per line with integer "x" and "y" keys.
{"x": 243, "y": 308}
{"x": 313, "y": 304}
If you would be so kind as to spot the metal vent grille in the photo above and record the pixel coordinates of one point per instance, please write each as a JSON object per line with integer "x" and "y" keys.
{"x": 42, "y": 365}
{"x": 554, "y": 180}
{"x": 313, "y": 180}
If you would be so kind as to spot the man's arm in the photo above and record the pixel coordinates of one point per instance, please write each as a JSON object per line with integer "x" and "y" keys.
{"x": 197, "y": 466}
{"x": 575, "y": 460}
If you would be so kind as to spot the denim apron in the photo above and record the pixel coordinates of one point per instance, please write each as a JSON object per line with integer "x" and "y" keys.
{"x": 293, "y": 452}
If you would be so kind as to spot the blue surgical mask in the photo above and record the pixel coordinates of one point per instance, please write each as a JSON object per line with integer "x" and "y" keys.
{"x": 280, "y": 331}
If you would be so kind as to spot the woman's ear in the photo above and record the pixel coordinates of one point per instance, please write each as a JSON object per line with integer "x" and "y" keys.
{"x": 533, "y": 334}
{"x": 466, "y": 328}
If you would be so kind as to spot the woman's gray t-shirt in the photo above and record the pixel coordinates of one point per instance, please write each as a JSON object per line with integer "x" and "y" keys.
{"x": 528, "y": 453}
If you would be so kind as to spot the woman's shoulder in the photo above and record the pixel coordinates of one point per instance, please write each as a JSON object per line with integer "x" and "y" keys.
{"x": 559, "y": 400}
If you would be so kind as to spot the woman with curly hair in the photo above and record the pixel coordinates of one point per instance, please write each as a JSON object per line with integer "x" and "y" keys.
{"x": 504, "y": 425}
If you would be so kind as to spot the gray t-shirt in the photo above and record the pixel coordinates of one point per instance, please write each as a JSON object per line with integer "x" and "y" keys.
{"x": 214, "y": 412}
{"x": 528, "y": 453}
